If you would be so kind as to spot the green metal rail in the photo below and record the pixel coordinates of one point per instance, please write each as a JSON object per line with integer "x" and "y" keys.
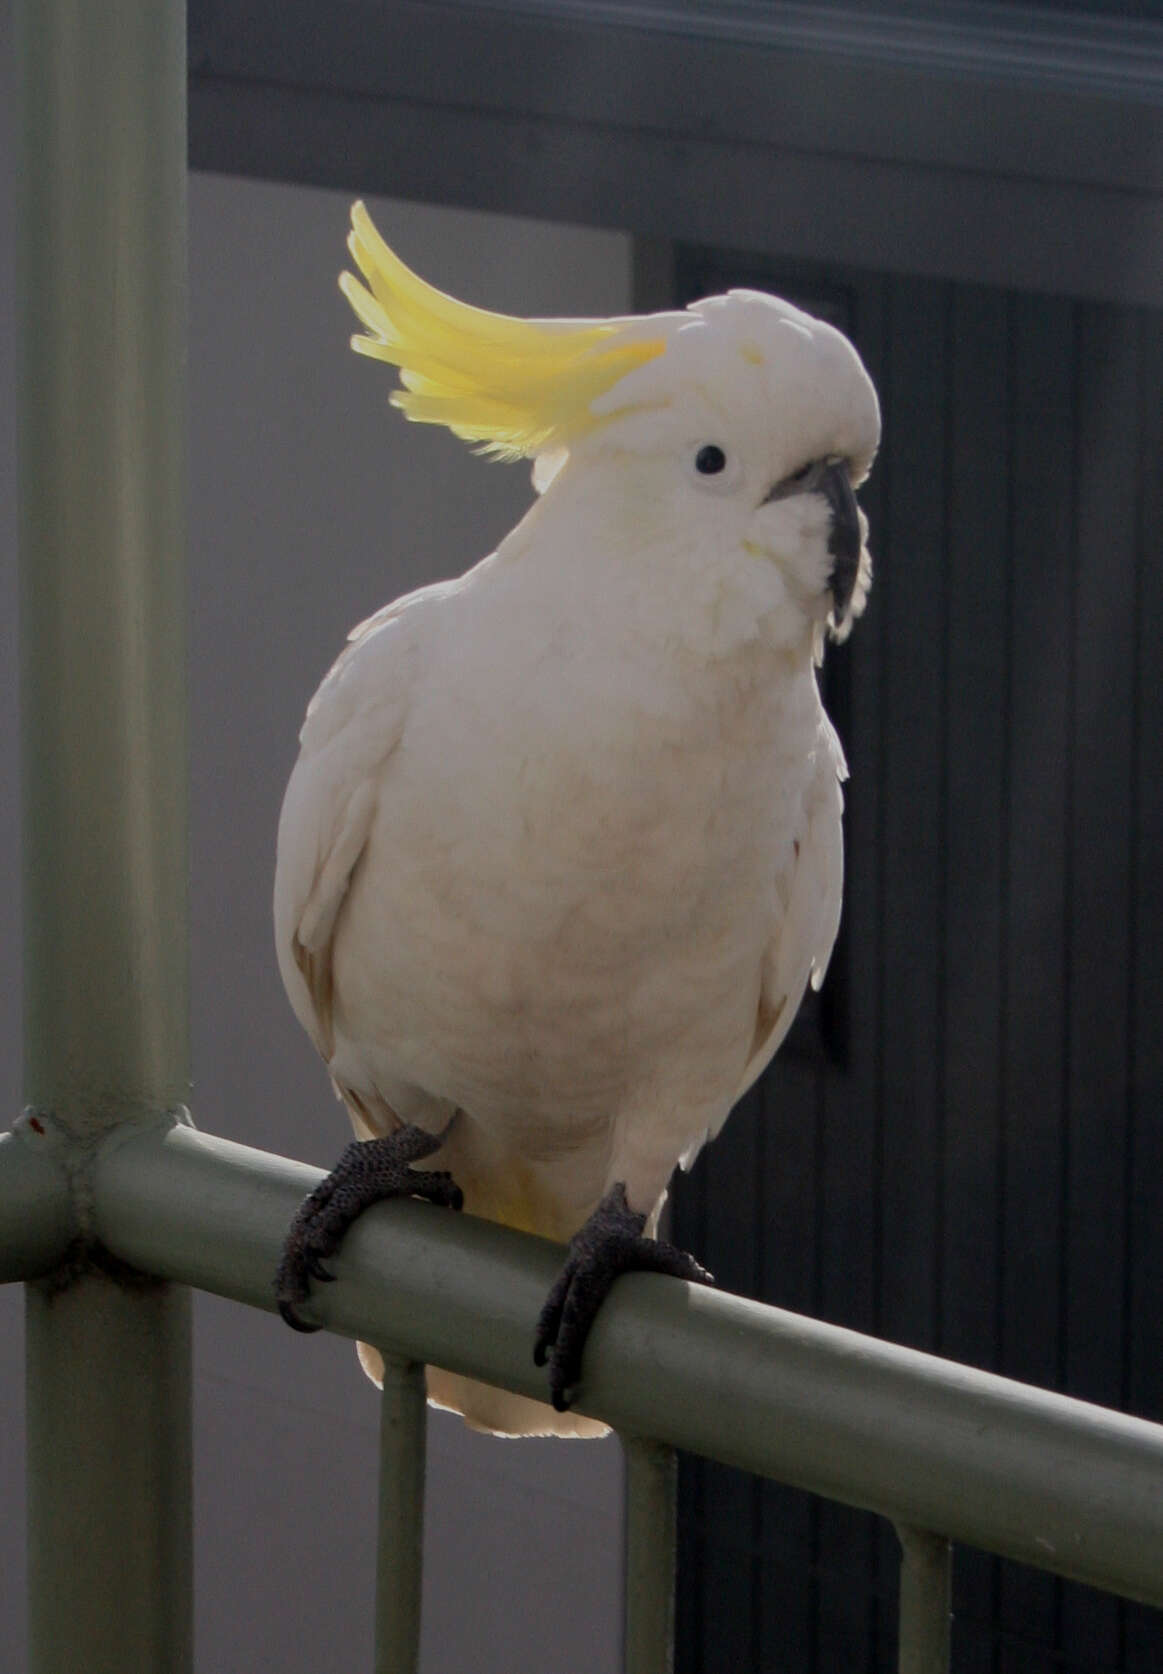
{"x": 101, "y": 329}
{"x": 944, "y": 1451}
{"x": 111, "y": 1204}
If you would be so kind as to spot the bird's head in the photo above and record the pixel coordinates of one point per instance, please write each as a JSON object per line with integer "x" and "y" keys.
{"x": 742, "y": 421}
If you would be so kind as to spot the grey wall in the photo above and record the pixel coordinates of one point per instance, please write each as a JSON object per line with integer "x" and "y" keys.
{"x": 311, "y": 503}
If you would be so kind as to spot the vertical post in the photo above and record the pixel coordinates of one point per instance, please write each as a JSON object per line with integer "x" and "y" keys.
{"x": 102, "y": 335}
{"x": 651, "y": 1522}
{"x": 925, "y": 1602}
{"x": 399, "y": 1564}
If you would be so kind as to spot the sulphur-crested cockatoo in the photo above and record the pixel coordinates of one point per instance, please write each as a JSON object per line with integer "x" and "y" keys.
{"x": 562, "y": 847}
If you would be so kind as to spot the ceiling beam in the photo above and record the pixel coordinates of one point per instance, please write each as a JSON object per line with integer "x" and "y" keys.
{"x": 1011, "y": 145}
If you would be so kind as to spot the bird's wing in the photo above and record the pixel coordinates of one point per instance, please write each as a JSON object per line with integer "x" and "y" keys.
{"x": 812, "y": 888}
{"x": 353, "y": 725}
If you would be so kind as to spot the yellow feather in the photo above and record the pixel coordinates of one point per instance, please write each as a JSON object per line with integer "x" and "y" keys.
{"x": 514, "y": 386}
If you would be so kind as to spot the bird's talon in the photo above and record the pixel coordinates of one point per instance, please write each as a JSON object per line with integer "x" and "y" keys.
{"x": 610, "y": 1243}
{"x": 292, "y": 1319}
{"x": 368, "y": 1172}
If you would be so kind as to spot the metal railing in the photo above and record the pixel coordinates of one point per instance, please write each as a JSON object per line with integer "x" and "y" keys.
{"x": 111, "y": 1204}
{"x": 947, "y": 1453}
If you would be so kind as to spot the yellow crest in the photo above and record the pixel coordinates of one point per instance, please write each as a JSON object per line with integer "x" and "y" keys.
{"x": 515, "y": 386}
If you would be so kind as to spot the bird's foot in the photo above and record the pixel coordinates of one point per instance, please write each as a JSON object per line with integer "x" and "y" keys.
{"x": 611, "y": 1242}
{"x": 369, "y": 1171}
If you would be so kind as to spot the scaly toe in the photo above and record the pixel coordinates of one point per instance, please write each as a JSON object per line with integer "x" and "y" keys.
{"x": 368, "y": 1172}
{"x": 610, "y": 1243}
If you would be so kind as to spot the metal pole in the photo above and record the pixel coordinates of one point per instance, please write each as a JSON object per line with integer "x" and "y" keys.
{"x": 400, "y": 1552}
{"x": 651, "y": 1520}
{"x": 108, "y": 1478}
{"x": 102, "y": 271}
{"x": 926, "y": 1593}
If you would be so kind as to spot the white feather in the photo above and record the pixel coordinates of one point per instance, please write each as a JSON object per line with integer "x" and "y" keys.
{"x": 562, "y": 849}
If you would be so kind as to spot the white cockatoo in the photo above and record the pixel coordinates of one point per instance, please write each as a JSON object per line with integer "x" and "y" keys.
{"x": 562, "y": 847}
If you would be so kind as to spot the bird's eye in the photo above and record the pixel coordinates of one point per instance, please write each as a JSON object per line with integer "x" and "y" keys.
{"x": 710, "y": 460}
{"x": 803, "y": 473}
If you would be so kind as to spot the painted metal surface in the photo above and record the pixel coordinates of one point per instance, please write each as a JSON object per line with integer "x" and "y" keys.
{"x": 102, "y": 590}
{"x": 102, "y": 297}
{"x": 36, "y": 1213}
{"x": 926, "y": 1594}
{"x": 108, "y": 1440}
{"x": 399, "y": 1560}
{"x": 651, "y": 1512}
{"x": 1050, "y": 1481}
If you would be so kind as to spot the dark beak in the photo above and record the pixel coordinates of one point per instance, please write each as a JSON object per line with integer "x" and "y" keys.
{"x": 844, "y": 540}
{"x": 834, "y": 483}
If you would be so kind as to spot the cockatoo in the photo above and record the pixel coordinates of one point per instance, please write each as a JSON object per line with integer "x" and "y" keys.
{"x": 562, "y": 847}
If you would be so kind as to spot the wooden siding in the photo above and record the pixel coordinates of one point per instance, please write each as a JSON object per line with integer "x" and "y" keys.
{"x": 964, "y": 1150}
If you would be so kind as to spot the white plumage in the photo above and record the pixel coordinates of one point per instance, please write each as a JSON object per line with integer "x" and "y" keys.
{"x": 562, "y": 847}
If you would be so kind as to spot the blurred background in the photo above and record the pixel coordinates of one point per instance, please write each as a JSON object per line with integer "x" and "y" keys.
{"x": 961, "y": 1146}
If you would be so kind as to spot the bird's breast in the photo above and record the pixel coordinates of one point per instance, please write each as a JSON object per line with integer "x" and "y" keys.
{"x": 565, "y": 889}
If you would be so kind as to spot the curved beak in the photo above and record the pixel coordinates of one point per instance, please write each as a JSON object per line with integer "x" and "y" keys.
{"x": 844, "y": 540}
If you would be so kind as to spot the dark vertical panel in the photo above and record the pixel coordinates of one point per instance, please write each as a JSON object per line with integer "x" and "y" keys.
{"x": 788, "y": 1185}
{"x": 849, "y": 1116}
{"x": 1040, "y": 696}
{"x": 731, "y": 1221}
{"x": 1026, "y": 1647}
{"x": 1145, "y": 1264}
{"x": 846, "y": 1601}
{"x": 731, "y": 1568}
{"x": 912, "y": 596}
{"x": 1144, "y": 1362}
{"x": 1142, "y": 1640}
{"x": 1099, "y": 885}
{"x": 690, "y": 1563}
{"x": 969, "y": 1167}
{"x": 787, "y": 1586}
{"x": 1100, "y": 871}
{"x": 975, "y": 742}
{"x": 849, "y": 1140}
